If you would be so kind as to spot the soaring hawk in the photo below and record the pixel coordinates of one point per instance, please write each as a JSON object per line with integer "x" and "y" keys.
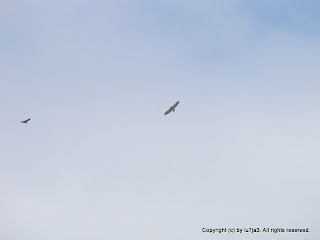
{"x": 25, "y": 121}
{"x": 171, "y": 109}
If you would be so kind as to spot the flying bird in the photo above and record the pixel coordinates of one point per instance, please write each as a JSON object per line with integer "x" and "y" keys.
{"x": 25, "y": 121}
{"x": 171, "y": 109}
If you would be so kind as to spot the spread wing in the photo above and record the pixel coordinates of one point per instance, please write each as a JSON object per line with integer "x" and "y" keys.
{"x": 172, "y": 108}
{"x": 176, "y": 104}
{"x": 25, "y": 121}
{"x": 168, "y": 111}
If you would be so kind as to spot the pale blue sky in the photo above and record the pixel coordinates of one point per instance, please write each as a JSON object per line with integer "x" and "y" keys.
{"x": 99, "y": 160}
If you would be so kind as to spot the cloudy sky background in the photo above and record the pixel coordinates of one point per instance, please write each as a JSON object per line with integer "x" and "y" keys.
{"x": 98, "y": 160}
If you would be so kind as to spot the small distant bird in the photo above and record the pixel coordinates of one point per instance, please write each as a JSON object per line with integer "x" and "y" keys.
{"x": 25, "y": 121}
{"x": 171, "y": 109}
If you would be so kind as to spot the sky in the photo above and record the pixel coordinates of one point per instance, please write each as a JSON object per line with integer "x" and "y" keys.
{"x": 99, "y": 160}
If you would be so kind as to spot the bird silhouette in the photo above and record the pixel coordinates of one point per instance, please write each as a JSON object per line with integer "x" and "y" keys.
{"x": 172, "y": 108}
{"x": 25, "y": 121}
